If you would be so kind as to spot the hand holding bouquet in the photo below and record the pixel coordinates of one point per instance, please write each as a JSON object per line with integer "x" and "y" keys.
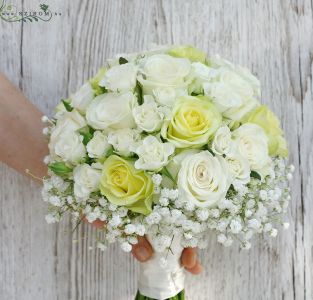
{"x": 171, "y": 145}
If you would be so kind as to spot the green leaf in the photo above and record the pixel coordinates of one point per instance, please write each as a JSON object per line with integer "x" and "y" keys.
{"x": 166, "y": 172}
{"x": 255, "y": 175}
{"x": 122, "y": 61}
{"x": 110, "y": 152}
{"x": 67, "y": 106}
{"x": 60, "y": 168}
{"x": 210, "y": 150}
{"x": 87, "y": 133}
{"x": 138, "y": 92}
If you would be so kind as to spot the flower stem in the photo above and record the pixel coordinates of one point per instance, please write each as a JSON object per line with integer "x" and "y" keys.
{"x": 179, "y": 296}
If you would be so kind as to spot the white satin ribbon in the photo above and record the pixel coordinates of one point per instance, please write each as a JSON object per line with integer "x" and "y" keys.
{"x": 162, "y": 282}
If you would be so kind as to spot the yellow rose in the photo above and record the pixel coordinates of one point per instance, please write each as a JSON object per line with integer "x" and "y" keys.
{"x": 193, "y": 54}
{"x": 194, "y": 120}
{"x": 123, "y": 185}
{"x": 266, "y": 119}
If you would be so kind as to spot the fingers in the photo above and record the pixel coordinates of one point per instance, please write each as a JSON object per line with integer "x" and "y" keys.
{"x": 196, "y": 269}
{"x": 97, "y": 224}
{"x": 142, "y": 250}
{"x": 190, "y": 262}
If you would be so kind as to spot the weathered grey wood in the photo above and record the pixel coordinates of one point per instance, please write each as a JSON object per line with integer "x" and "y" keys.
{"x": 50, "y": 60}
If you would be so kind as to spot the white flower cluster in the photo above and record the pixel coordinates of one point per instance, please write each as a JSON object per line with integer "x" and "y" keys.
{"x": 168, "y": 142}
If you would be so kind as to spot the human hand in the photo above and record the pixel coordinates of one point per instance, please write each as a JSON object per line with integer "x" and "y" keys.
{"x": 143, "y": 251}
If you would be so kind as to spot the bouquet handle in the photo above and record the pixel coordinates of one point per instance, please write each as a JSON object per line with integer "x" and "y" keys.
{"x": 162, "y": 277}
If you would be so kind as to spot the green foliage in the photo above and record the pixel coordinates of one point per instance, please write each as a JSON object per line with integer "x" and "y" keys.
{"x": 166, "y": 172}
{"x": 255, "y": 175}
{"x": 122, "y": 61}
{"x": 67, "y": 105}
{"x": 87, "y": 133}
{"x": 60, "y": 168}
{"x": 138, "y": 92}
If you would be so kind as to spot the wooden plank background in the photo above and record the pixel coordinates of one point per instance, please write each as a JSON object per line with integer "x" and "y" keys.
{"x": 49, "y": 60}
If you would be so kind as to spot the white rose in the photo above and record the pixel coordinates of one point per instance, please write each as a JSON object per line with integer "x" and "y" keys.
{"x": 147, "y": 116}
{"x": 82, "y": 98}
{"x": 200, "y": 74}
{"x": 249, "y": 77}
{"x": 69, "y": 147}
{"x": 86, "y": 180}
{"x": 252, "y": 144}
{"x": 68, "y": 123}
{"x": 124, "y": 141}
{"x": 232, "y": 94}
{"x": 98, "y": 145}
{"x": 167, "y": 95}
{"x": 203, "y": 179}
{"x": 120, "y": 78}
{"x": 163, "y": 71}
{"x": 111, "y": 110}
{"x": 153, "y": 154}
{"x": 239, "y": 167}
{"x": 224, "y": 97}
{"x": 222, "y": 142}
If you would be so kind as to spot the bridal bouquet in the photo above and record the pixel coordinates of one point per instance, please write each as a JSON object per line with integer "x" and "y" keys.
{"x": 173, "y": 145}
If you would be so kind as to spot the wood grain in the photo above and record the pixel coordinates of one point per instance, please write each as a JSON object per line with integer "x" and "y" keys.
{"x": 50, "y": 60}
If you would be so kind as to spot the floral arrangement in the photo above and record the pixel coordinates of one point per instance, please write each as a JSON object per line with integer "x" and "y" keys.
{"x": 171, "y": 144}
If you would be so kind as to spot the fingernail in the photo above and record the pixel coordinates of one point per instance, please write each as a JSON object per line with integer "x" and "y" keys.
{"x": 142, "y": 253}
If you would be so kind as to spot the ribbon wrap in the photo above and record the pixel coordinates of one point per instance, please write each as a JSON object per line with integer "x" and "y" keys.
{"x": 160, "y": 281}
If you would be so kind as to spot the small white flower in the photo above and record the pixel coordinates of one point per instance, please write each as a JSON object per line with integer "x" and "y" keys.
{"x": 120, "y": 78}
{"x": 103, "y": 202}
{"x": 254, "y": 224}
{"x": 246, "y": 245}
{"x": 228, "y": 242}
{"x": 132, "y": 240}
{"x": 289, "y": 176}
{"x": 273, "y": 232}
{"x": 202, "y": 214}
{"x": 50, "y": 218}
{"x": 45, "y": 131}
{"x": 235, "y": 226}
{"x": 157, "y": 179}
{"x": 86, "y": 180}
{"x": 291, "y": 168}
{"x": 101, "y": 246}
{"x": 173, "y": 194}
{"x": 286, "y": 225}
{"x": 188, "y": 235}
{"x": 98, "y": 145}
{"x": 140, "y": 229}
{"x": 112, "y": 207}
{"x": 153, "y": 218}
{"x": 115, "y": 221}
{"x": 130, "y": 229}
{"x": 190, "y": 206}
{"x": 248, "y": 213}
{"x": 126, "y": 247}
{"x": 215, "y": 213}
{"x": 44, "y": 119}
{"x": 263, "y": 195}
{"x": 222, "y": 142}
{"x": 163, "y": 201}
{"x": 55, "y": 200}
{"x": 153, "y": 154}
{"x": 82, "y": 98}
{"x": 124, "y": 141}
{"x": 147, "y": 116}
{"x": 267, "y": 227}
{"x": 46, "y": 159}
{"x": 221, "y": 238}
